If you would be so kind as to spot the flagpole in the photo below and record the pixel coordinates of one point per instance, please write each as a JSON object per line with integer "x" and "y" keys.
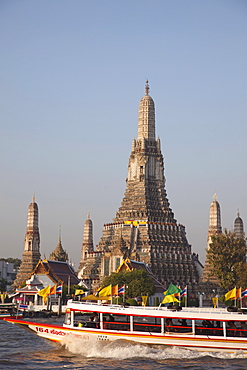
{"x": 240, "y": 297}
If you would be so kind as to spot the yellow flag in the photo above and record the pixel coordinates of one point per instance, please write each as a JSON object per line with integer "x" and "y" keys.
{"x": 144, "y": 300}
{"x": 231, "y": 294}
{"x": 45, "y": 292}
{"x": 105, "y": 291}
{"x": 215, "y": 301}
{"x": 170, "y": 298}
{"x": 79, "y": 291}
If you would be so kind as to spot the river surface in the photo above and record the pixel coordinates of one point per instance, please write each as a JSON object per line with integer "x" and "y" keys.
{"x": 22, "y": 349}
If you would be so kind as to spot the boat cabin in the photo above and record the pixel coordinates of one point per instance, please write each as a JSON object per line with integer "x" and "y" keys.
{"x": 155, "y": 320}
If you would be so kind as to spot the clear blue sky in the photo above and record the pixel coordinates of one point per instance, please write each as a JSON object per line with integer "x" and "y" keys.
{"x": 72, "y": 73}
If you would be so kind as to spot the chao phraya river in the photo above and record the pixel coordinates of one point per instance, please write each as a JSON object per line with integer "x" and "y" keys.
{"x": 21, "y": 349}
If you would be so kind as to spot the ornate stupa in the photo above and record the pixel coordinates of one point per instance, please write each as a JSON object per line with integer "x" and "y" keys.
{"x": 144, "y": 228}
{"x": 89, "y": 257}
{"x": 59, "y": 254}
{"x": 239, "y": 227}
{"x": 31, "y": 254}
{"x": 214, "y": 229}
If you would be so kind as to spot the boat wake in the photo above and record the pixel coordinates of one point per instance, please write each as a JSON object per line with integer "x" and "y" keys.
{"x": 124, "y": 350}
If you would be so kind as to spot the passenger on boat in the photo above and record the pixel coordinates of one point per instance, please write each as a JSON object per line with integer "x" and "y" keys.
{"x": 169, "y": 325}
{"x": 183, "y": 322}
{"x": 232, "y": 329}
{"x": 108, "y": 322}
{"x": 243, "y": 332}
{"x": 184, "y": 325}
{"x": 93, "y": 321}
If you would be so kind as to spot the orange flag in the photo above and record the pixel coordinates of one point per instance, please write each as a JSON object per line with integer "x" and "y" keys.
{"x": 53, "y": 290}
{"x": 114, "y": 290}
{"x": 238, "y": 293}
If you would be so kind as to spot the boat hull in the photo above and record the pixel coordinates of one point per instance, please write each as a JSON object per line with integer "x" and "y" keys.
{"x": 58, "y": 333}
{"x": 10, "y": 316}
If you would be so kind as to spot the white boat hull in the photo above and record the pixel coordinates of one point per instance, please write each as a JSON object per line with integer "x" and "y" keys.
{"x": 186, "y": 340}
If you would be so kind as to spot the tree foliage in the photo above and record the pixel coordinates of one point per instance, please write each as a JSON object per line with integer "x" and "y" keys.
{"x": 242, "y": 282}
{"x": 227, "y": 255}
{"x": 16, "y": 261}
{"x": 137, "y": 282}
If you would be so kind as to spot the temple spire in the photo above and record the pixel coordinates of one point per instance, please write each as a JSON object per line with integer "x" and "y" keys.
{"x": 59, "y": 234}
{"x": 59, "y": 254}
{"x": 146, "y": 117}
{"x": 239, "y": 226}
{"x": 147, "y": 88}
{"x": 31, "y": 254}
{"x": 213, "y": 229}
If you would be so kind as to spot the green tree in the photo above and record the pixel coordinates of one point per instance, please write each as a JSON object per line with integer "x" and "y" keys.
{"x": 137, "y": 282}
{"x": 226, "y": 256}
{"x": 71, "y": 290}
{"x": 15, "y": 261}
{"x": 242, "y": 282}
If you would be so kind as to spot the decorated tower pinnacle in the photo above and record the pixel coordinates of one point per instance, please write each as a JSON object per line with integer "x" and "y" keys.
{"x": 59, "y": 254}
{"x": 87, "y": 244}
{"x": 146, "y": 117}
{"x": 213, "y": 229}
{"x": 31, "y": 254}
{"x": 214, "y": 219}
{"x": 239, "y": 227}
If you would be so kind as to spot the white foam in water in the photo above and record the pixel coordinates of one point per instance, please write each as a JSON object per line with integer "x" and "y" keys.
{"x": 126, "y": 350}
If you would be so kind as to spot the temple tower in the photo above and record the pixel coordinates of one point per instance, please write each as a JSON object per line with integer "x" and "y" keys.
{"x": 59, "y": 254}
{"x": 87, "y": 243}
{"x": 31, "y": 254}
{"x": 239, "y": 227}
{"x": 144, "y": 228}
{"x": 90, "y": 259}
{"x": 214, "y": 229}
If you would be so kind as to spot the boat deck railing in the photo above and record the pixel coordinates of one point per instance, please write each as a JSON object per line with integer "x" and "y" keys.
{"x": 191, "y": 310}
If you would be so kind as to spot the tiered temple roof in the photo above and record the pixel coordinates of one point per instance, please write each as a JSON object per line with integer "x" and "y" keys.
{"x": 144, "y": 228}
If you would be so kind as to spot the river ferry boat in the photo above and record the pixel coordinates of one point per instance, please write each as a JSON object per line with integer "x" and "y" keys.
{"x": 9, "y": 310}
{"x": 205, "y": 329}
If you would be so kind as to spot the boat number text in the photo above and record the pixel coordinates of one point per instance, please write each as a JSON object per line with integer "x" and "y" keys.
{"x": 51, "y": 331}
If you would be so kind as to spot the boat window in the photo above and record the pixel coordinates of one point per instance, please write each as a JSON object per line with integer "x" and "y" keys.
{"x": 116, "y": 322}
{"x": 209, "y": 327}
{"x": 178, "y": 325}
{"x": 146, "y": 323}
{"x": 84, "y": 318}
{"x": 236, "y": 329}
{"x": 182, "y": 326}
